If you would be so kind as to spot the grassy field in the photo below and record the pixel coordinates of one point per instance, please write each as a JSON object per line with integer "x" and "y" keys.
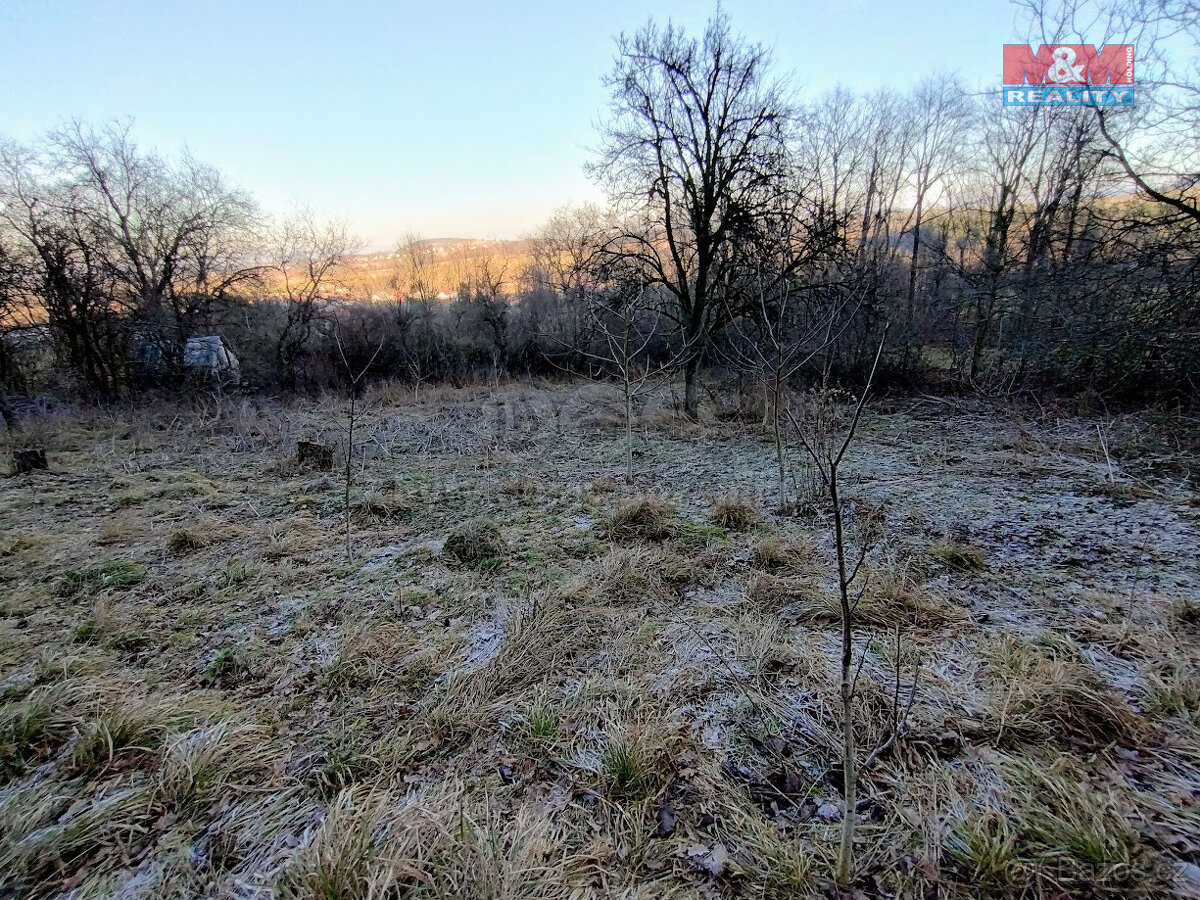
{"x": 527, "y": 679}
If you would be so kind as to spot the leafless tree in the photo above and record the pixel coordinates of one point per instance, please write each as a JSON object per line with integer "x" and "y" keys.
{"x": 125, "y": 250}
{"x": 828, "y": 449}
{"x": 693, "y": 148}
{"x": 566, "y": 251}
{"x": 309, "y": 260}
{"x": 485, "y": 279}
{"x": 62, "y": 272}
{"x": 627, "y": 325}
{"x": 415, "y": 269}
{"x": 940, "y": 115}
{"x": 172, "y": 235}
{"x": 1156, "y": 144}
{"x": 796, "y": 296}
{"x": 354, "y": 378}
{"x": 567, "y": 263}
{"x": 11, "y": 309}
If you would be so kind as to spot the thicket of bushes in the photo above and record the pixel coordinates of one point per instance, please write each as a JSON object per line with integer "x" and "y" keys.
{"x": 1002, "y": 249}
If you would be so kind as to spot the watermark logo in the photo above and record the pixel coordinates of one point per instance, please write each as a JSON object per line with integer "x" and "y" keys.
{"x": 1068, "y": 75}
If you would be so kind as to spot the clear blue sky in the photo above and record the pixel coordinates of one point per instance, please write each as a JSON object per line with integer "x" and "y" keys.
{"x": 447, "y": 118}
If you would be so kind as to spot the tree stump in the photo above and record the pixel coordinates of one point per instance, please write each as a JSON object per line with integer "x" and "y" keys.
{"x": 311, "y": 455}
{"x": 26, "y": 461}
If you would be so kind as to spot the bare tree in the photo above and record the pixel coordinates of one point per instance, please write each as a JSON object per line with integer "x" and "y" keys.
{"x": 309, "y": 259}
{"x": 61, "y": 271}
{"x": 567, "y": 263}
{"x": 415, "y": 270}
{"x": 355, "y": 379}
{"x": 939, "y": 114}
{"x": 692, "y": 150}
{"x": 126, "y": 251}
{"x": 172, "y": 235}
{"x": 827, "y": 449}
{"x": 1156, "y": 144}
{"x": 485, "y": 279}
{"x": 798, "y": 297}
{"x": 11, "y": 309}
{"x": 627, "y": 325}
{"x": 566, "y": 251}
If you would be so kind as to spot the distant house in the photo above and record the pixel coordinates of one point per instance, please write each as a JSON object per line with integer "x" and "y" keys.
{"x": 209, "y": 357}
{"x": 204, "y": 356}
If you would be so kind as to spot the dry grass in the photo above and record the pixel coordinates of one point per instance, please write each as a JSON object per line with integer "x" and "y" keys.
{"x": 958, "y": 556}
{"x": 599, "y": 696}
{"x": 132, "y": 730}
{"x": 185, "y": 540}
{"x": 891, "y": 600}
{"x": 1039, "y": 697}
{"x": 772, "y": 593}
{"x": 737, "y": 514}
{"x": 778, "y": 556}
{"x": 476, "y": 543}
{"x": 645, "y": 518}
{"x": 382, "y": 507}
{"x": 1063, "y": 834}
{"x": 32, "y": 726}
{"x": 203, "y": 765}
{"x": 636, "y": 574}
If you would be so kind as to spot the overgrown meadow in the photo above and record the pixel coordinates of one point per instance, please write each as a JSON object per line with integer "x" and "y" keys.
{"x": 522, "y": 677}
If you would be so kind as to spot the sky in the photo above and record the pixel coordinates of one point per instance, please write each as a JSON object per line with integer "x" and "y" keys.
{"x": 447, "y": 119}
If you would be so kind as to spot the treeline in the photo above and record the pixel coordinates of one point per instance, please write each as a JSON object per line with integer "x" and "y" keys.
{"x": 999, "y": 248}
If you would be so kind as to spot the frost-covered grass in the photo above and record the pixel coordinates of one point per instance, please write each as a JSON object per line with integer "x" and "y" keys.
{"x": 530, "y": 680}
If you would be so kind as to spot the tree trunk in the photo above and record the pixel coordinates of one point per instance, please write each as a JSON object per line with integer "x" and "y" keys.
{"x": 628, "y": 431}
{"x": 911, "y": 300}
{"x": 845, "y": 865}
{"x": 9, "y": 414}
{"x": 691, "y": 387}
{"x": 777, "y": 424}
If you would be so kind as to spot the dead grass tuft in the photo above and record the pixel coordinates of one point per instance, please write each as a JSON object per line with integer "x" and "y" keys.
{"x": 135, "y": 729}
{"x": 31, "y": 726}
{"x": 737, "y": 514}
{"x": 382, "y": 508}
{"x": 636, "y": 574}
{"x": 476, "y": 543}
{"x": 1186, "y": 613}
{"x": 602, "y": 486}
{"x": 1043, "y": 697}
{"x": 773, "y": 593}
{"x": 1064, "y": 833}
{"x": 891, "y": 600}
{"x": 90, "y": 834}
{"x": 206, "y": 764}
{"x": 1174, "y": 692}
{"x": 342, "y": 859}
{"x": 522, "y": 487}
{"x": 778, "y": 556}
{"x": 546, "y": 637}
{"x": 959, "y": 557}
{"x": 367, "y": 659}
{"x": 645, "y": 518}
{"x": 114, "y": 574}
{"x": 186, "y": 540}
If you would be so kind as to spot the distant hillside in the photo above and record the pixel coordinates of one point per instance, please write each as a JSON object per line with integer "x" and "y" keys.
{"x": 439, "y": 267}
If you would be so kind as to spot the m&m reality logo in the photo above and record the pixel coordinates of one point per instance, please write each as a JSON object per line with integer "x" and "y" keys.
{"x": 1068, "y": 75}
